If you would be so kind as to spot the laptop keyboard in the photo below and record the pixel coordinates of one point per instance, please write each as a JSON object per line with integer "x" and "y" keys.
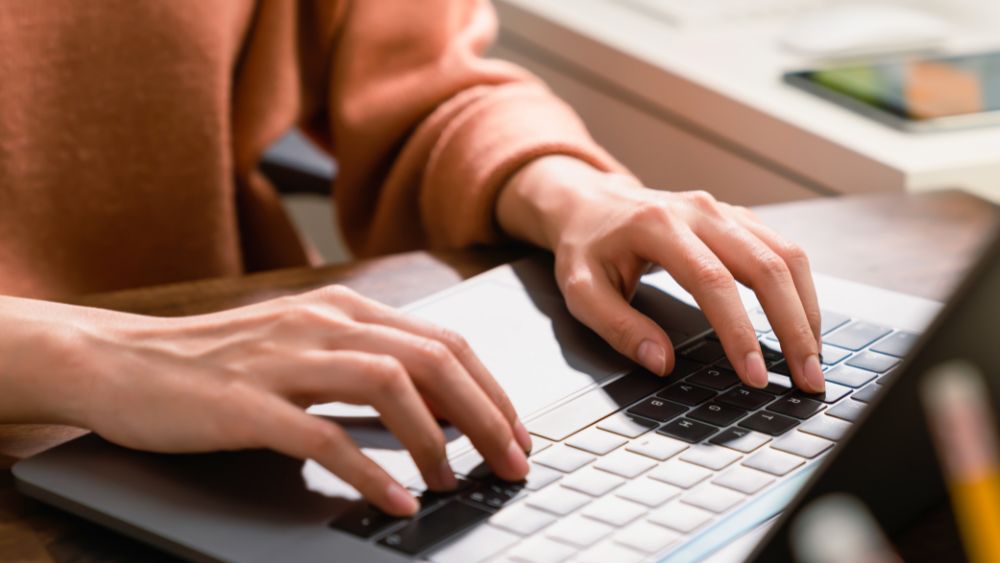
{"x": 632, "y": 478}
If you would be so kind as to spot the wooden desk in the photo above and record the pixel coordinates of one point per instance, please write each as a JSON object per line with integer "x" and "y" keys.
{"x": 918, "y": 244}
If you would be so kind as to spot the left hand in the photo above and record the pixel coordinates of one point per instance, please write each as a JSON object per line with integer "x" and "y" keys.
{"x": 606, "y": 230}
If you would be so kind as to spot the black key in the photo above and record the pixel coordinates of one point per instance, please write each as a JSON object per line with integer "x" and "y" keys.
{"x": 778, "y": 384}
{"x": 717, "y": 414}
{"x": 714, "y": 378}
{"x": 425, "y": 532}
{"x": 772, "y": 353}
{"x": 657, "y": 409}
{"x": 873, "y": 361}
{"x": 866, "y": 394}
{"x": 797, "y": 406}
{"x": 832, "y": 394}
{"x": 730, "y": 435}
{"x": 769, "y": 423}
{"x": 687, "y": 394}
{"x": 746, "y": 398}
{"x": 897, "y": 344}
{"x": 856, "y": 335}
{"x": 724, "y": 363}
{"x": 706, "y": 352}
{"x": 429, "y": 499}
{"x": 830, "y": 320}
{"x": 494, "y": 494}
{"x": 684, "y": 368}
{"x": 688, "y": 430}
{"x": 781, "y": 368}
{"x": 363, "y": 520}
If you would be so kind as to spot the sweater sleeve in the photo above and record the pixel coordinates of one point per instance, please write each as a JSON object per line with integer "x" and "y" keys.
{"x": 426, "y": 131}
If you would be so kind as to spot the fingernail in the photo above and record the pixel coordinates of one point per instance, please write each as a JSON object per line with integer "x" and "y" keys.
{"x": 652, "y": 357}
{"x": 516, "y": 461}
{"x": 522, "y": 436}
{"x": 401, "y": 500}
{"x": 756, "y": 370}
{"x": 814, "y": 374}
{"x": 446, "y": 477}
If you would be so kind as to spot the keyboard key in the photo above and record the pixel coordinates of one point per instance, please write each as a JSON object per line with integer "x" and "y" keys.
{"x": 680, "y": 474}
{"x": 714, "y": 378}
{"x": 540, "y": 549}
{"x": 646, "y": 537}
{"x": 437, "y": 525}
{"x": 688, "y": 430}
{"x": 713, "y": 498}
{"x": 493, "y": 494}
{"x": 796, "y": 406}
{"x": 680, "y": 517}
{"x": 522, "y": 519}
{"x": 539, "y": 476}
{"x": 771, "y": 349}
{"x": 648, "y": 492}
{"x": 848, "y": 410}
{"x": 592, "y": 482}
{"x": 717, "y": 413}
{"x": 745, "y": 480}
{"x": 478, "y": 544}
{"x": 745, "y": 398}
{"x": 832, "y": 355}
{"x": 832, "y": 394}
{"x": 759, "y": 320}
{"x": 683, "y": 368}
{"x": 898, "y": 344}
{"x": 774, "y": 462}
{"x": 597, "y": 442}
{"x": 802, "y": 445}
{"x": 687, "y": 394}
{"x": 778, "y": 384}
{"x": 710, "y": 456}
{"x": 768, "y": 423}
{"x": 557, "y": 500}
{"x": 657, "y": 447}
{"x": 826, "y": 427}
{"x": 538, "y": 444}
{"x": 856, "y": 335}
{"x": 563, "y": 458}
{"x": 781, "y": 368}
{"x": 625, "y": 464}
{"x": 628, "y": 426}
{"x": 740, "y": 439}
{"x": 579, "y": 531}
{"x": 609, "y": 551}
{"x": 830, "y": 320}
{"x": 867, "y": 393}
{"x": 614, "y": 511}
{"x": 850, "y": 376}
{"x": 363, "y": 520}
{"x": 705, "y": 352}
{"x": 657, "y": 409}
{"x": 873, "y": 361}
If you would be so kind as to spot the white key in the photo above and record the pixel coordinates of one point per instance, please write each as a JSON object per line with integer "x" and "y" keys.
{"x": 713, "y": 498}
{"x": 710, "y": 456}
{"x": 625, "y": 464}
{"x": 680, "y": 474}
{"x": 522, "y": 519}
{"x": 826, "y": 426}
{"x": 609, "y": 552}
{"x": 657, "y": 447}
{"x": 578, "y": 531}
{"x": 802, "y": 445}
{"x": 773, "y": 462}
{"x": 680, "y": 517}
{"x": 647, "y": 491}
{"x": 541, "y": 550}
{"x": 745, "y": 480}
{"x": 624, "y": 425}
{"x": 481, "y": 543}
{"x": 596, "y": 441}
{"x": 748, "y": 442}
{"x": 592, "y": 482}
{"x": 646, "y": 537}
{"x": 563, "y": 458}
{"x": 538, "y": 444}
{"x": 614, "y": 511}
{"x": 539, "y": 476}
{"x": 558, "y": 500}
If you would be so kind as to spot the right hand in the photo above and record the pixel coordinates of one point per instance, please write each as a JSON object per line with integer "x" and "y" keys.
{"x": 240, "y": 379}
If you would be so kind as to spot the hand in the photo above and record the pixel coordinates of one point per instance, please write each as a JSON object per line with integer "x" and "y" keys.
{"x": 239, "y": 379}
{"x": 606, "y": 230}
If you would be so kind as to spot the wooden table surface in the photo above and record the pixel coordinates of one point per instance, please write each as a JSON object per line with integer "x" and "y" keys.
{"x": 918, "y": 244}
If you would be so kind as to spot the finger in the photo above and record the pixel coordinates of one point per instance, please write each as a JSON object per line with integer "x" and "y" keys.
{"x": 598, "y": 303}
{"x": 285, "y": 428}
{"x": 383, "y": 383}
{"x": 381, "y": 314}
{"x": 441, "y": 378}
{"x": 758, "y": 267}
{"x": 698, "y": 270}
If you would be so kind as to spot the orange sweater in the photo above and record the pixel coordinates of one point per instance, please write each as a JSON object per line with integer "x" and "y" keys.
{"x": 130, "y": 132}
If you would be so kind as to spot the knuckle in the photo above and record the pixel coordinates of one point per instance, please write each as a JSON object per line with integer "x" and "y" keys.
{"x": 711, "y": 275}
{"x": 387, "y": 375}
{"x": 577, "y": 283}
{"x": 325, "y": 437}
{"x": 772, "y": 266}
{"x": 703, "y": 200}
{"x": 454, "y": 341}
{"x": 434, "y": 353}
{"x": 794, "y": 254}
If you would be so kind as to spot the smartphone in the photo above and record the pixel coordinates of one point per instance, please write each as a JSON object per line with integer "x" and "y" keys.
{"x": 913, "y": 93}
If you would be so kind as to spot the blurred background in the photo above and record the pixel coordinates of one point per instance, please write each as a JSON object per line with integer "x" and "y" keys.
{"x": 694, "y": 94}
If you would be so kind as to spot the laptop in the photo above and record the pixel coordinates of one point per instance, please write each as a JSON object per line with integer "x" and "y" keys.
{"x": 625, "y": 467}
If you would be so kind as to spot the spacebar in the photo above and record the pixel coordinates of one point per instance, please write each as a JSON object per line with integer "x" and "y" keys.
{"x": 595, "y": 405}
